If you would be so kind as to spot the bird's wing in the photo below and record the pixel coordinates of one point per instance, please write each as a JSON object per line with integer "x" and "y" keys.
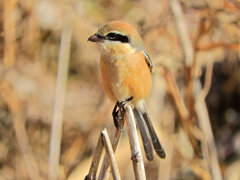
{"x": 148, "y": 60}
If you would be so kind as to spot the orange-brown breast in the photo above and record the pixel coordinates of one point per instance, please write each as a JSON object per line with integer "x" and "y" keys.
{"x": 126, "y": 76}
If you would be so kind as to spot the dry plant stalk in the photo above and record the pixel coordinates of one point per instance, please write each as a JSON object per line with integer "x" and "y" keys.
{"x": 136, "y": 157}
{"x": 182, "y": 32}
{"x": 19, "y": 127}
{"x": 57, "y": 122}
{"x": 173, "y": 90}
{"x": 181, "y": 109}
{"x": 9, "y": 32}
{"x": 178, "y": 102}
{"x": 96, "y": 160}
{"x": 110, "y": 154}
{"x": 103, "y": 140}
{"x": 201, "y": 110}
{"x": 115, "y": 137}
{"x": 188, "y": 52}
{"x": 208, "y": 146}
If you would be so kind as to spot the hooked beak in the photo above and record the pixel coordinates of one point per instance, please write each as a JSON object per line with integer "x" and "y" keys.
{"x": 95, "y": 38}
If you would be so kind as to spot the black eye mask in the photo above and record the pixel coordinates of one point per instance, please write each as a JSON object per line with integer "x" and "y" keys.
{"x": 117, "y": 37}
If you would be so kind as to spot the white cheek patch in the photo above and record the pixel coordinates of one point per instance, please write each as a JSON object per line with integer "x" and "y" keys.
{"x": 105, "y": 45}
{"x": 117, "y": 47}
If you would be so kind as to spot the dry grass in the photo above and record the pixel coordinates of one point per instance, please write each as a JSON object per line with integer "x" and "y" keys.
{"x": 195, "y": 85}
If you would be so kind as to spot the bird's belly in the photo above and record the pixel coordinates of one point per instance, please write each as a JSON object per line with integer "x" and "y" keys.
{"x": 124, "y": 78}
{"x": 120, "y": 92}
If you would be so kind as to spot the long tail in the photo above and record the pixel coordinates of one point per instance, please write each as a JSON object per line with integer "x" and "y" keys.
{"x": 142, "y": 119}
{"x": 144, "y": 135}
{"x": 156, "y": 143}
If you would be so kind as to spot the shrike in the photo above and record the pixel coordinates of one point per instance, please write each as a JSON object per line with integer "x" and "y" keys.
{"x": 126, "y": 74}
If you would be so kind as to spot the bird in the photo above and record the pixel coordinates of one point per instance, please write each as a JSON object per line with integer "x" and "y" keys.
{"x": 126, "y": 76}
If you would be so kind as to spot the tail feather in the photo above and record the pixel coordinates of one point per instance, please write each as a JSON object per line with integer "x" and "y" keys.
{"x": 156, "y": 143}
{"x": 142, "y": 111}
{"x": 144, "y": 135}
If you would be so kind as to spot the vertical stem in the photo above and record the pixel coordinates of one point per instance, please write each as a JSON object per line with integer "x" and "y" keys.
{"x": 56, "y": 131}
{"x": 137, "y": 158}
{"x": 110, "y": 154}
{"x": 200, "y": 106}
{"x": 96, "y": 159}
{"x": 18, "y": 117}
{"x": 115, "y": 137}
{"x": 9, "y": 32}
{"x": 183, "y": 32}
{"x": 209, "y": 148}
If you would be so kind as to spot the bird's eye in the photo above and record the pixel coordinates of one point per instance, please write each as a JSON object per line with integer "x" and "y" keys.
{"x": 117, "y": 37}
{"x": 111, "y": 36}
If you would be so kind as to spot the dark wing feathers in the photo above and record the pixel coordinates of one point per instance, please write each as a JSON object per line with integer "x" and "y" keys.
{"x": 148, "y": 60}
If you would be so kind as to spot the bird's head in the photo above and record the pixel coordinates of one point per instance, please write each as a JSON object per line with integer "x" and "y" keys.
{"x": 118, "y": 38}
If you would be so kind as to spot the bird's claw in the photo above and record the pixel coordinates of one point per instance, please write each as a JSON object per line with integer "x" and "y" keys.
{"x": 118, "y": 113}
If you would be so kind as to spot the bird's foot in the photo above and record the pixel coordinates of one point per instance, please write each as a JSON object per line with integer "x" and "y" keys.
{"x": 118, "y": 112}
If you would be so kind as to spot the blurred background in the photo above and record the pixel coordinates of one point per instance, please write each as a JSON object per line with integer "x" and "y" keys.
{"x": 196, "y": 80}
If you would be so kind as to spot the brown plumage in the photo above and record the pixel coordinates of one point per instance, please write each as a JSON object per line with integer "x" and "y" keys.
{"x": 126, "y": 77}
{"x": 126, "y": 72}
